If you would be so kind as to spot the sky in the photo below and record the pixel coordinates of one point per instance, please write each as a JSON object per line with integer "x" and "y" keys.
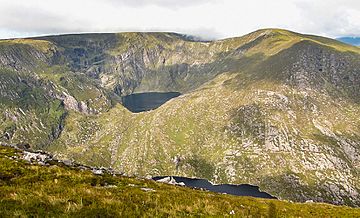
{"x": 209, "y": 19}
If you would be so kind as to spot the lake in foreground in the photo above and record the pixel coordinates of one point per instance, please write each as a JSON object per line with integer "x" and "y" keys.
{"x": 239, "y": 190}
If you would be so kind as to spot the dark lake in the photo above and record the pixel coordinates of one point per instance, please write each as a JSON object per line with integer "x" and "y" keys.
{"x": 239, "y": 190}
{"x": 140, "y": 102}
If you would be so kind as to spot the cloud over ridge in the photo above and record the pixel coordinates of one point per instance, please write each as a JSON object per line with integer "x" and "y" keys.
{"x": 205, "y": 18}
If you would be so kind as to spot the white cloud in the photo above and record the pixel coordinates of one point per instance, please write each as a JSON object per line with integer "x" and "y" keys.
{"x": 331, "y": 17}
{"x": 172, "y": 4}
{"x": 207, "y": 18}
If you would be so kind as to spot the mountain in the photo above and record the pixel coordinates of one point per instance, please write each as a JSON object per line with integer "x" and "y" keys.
{"x": 350, "y": 40}
{"x": 58, "y": 190}
{"x": 273, "y": 108}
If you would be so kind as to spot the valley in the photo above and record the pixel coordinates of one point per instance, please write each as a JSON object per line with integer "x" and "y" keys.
{"x": 274, "y": 108}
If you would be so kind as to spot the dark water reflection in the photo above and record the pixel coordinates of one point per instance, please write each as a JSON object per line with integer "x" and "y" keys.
{"x": 147, "y": 101}
{"x": 239, "y": 190}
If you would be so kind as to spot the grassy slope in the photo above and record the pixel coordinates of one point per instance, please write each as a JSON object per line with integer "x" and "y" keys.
{"x": 205, "y": 127}
{"x": 220, "y": 130}
{"x": 57, "y": 191}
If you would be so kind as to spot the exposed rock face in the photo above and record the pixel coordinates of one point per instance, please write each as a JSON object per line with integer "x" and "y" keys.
{"x": 316, "y": 67}
{"x": 36, "y": 157}
{"x": 24, "y": 54}
{"x": 273, "y": 108}
{"x": 136, "y": 62}
{"x": 71, "y": 103}
{"x": 170, "y": 180}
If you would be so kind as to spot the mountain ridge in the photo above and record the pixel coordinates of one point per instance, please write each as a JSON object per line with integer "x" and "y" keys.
{"x": 255, "y": 109}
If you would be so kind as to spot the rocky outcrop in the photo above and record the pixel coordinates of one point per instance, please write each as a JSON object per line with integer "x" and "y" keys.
{"x": 170, "y": 180}
{"x": 71, "y": 103}
{"x": 45, "y": 158}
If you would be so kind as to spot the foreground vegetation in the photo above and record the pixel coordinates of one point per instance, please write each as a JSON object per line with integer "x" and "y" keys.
{"x": 28, "y": 190}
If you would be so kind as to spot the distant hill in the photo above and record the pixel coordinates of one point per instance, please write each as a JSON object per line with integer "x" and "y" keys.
{"x": 350, "y": 40}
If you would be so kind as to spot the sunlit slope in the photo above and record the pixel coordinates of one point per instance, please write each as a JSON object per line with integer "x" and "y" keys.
{"x": 57, "y": 190}
{"x": 273, "y": 108}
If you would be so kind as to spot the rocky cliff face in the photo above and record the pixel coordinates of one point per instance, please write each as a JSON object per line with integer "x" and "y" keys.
{"x": 37, "y": 90}
{"x": 140, "y": 62}
{"x": 273, "y": 108}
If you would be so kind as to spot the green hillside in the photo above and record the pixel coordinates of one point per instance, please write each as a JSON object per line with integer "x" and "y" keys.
{"x": 31, "y": 190}
{"x": 272, "y": 108}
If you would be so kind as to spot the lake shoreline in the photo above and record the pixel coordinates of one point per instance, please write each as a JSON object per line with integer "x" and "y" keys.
{"x": 232, "y": 189}
{"x": 146, "y": 101}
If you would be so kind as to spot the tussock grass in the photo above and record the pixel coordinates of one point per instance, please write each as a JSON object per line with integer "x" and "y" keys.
{"x": 57, "y": 191}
